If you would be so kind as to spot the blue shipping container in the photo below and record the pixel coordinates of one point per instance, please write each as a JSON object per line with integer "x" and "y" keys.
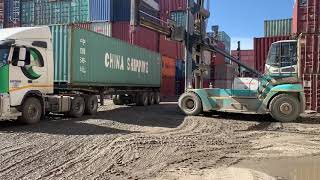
{"x": 101, "y": 10}
{"x": 11, "y": 13}
{"x": 180, "y": 70}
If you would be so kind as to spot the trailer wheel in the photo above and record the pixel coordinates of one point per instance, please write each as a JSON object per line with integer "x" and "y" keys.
{"x": 91, "y": 107}
{"x": 157, "y": 98}
{"x": 77, "y": 107}
{"x": 285, "y": 108}
{"x": 190, "y": 104}
{"x": 31, "y": 111}
{"x": 142, "y": 99}
{"x": 151, "y": 98}
{"x": 117, "y": 100}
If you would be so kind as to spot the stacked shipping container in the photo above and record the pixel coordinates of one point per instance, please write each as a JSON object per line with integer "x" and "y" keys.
{"x": 261, "y": 49}
{"x": 306, "y": 23}
{"x": 168, "y": 77}
{"x": 11, "y": 13}
{"x": 246, "y": 56}
{"x": 1, "y": 13}
{"x": 279, "y": 27}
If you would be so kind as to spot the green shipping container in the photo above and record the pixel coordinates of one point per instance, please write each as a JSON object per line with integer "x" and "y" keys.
{"x": 47, "y": 12}
{"x": 280, "y": 27}
{"x": 92, "y": 59}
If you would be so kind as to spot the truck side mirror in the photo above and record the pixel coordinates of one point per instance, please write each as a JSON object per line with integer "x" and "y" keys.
{"x": 22, "y": 54}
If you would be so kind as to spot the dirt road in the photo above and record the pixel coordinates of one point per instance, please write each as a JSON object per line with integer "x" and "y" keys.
{"x": 156, "y": 142}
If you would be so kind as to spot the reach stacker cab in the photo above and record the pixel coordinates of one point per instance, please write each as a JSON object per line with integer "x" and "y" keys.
{"x": 279, "y": 91}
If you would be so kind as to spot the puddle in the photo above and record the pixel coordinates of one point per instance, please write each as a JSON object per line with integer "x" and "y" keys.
{"x": 304, "y": 168}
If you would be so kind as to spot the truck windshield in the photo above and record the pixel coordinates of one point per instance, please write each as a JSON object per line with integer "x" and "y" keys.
{"x": 4, "y": 53}
{"x": 283, "y": 54}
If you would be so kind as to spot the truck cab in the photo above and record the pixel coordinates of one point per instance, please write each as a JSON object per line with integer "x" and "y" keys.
{"x": 279, "y": 91}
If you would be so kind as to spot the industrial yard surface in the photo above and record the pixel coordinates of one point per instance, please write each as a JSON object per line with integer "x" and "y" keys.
{"x": 159, "y": 142}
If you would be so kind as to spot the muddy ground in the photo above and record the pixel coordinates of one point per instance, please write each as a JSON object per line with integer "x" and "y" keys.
{"x": 158, "y": 142}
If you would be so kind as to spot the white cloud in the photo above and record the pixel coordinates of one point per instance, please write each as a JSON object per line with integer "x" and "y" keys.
{"x": 246, "y": 43}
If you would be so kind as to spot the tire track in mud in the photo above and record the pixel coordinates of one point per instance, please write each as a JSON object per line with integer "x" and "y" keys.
{"x": 166, "y": 141}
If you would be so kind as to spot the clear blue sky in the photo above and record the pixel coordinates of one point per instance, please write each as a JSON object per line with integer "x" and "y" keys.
{"x": 244, "y": 19}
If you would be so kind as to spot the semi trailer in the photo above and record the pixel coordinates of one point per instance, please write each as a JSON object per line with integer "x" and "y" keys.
{"x": 35, "y": 79}
{"x": 279, "y": 91}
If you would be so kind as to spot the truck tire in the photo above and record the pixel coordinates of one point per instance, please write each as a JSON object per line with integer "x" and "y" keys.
{"x": 157, "y": 98}
{"x": 91, "y": 107}
{"x": 142, "y": 99}
{"x": 31, "y": 111}
{"x": 285, "y": 108}
{"x": 77, "y": 107}
{"x": 117, "y": 100}
{"x": 190, "y": 104}
{"x": 151, "y": 98}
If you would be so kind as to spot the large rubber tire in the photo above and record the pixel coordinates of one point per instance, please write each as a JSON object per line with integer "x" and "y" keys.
{"x": 117, "y": 100}
{"x": 285, "y": 108}
{"x": 31, "y": 111}
{"x": 91, "y": 107}
{"x": 151, "y": 98}
{"x": 142, "y": 99}
{"x": 190, "y": 104}
{"x": 77, "y": 107}
{"x": 157, "y": 98}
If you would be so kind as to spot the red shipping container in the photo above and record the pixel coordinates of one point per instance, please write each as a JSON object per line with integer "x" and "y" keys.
{"x": 171, "y": 48}
{"x": 310, "y": 54}
{"x": 246, "y": 56}
{"x": 306, "y": 17}
{"x": 218, "y": 59}
{"x": 168, "y": 83}
{"x": 82, "y": 25}
{"x": 311, "y": 84}
{"x": 261, "y": 50}
{"x": 166, "y": 6}
{"x": 142, "y": 37}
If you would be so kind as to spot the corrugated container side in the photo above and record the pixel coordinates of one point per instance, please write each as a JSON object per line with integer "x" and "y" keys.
{"x": 142, "y": 37}
{"x": 61, "y": 35}
{"x": 171, "y": 48}
{"x": 306, "y": 16}
{"x": 101, "y": 10}
{"x": 218, "y": 58}
{"x": 261, "y": 49}
{"x": 168, "y": 77}
{"x": 166, "y": 6}
{"x": 47, "y": 12}
{"x": 312, "y": 91}
{"x": 104, "y": 28}
{"x": 11, "y": 13}
{"x": 1, "y": 11}
{"x": 179, "y": 17}
{"x": 86, "y": 26}
{"x": 98, "y": 60}
{"x": 246, "y": 56}
{"x": 310, "y": 53}
{"x": 279, "y": 27}
{"x": 224, "y": 72}
{"x": 180, "y": 69}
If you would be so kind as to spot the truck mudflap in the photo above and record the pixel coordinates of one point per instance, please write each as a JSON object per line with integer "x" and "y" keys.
{"x": 6, "y": 112}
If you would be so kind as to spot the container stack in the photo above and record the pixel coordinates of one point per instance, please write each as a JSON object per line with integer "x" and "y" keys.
{"x": 274, "y": 30}
{"x": 11, "y": 13}
{"x": 1, "y": 13}
{"x": 306, "y": 24}
{"x": 173, "y": 10}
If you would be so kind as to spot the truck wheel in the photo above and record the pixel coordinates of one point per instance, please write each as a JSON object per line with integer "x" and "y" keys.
{"x": 91, "y": 105}
{"x": 157, "y": 98}
{"x": 117, "y": 100}
{"x": 77, "y": 107}
{"x": 31, "y": 111}
{"x": 151, "y": 98}
{"x": 190, "y": 104}
{"x": 142, "y": 99}
{"x": 285, "y": 108}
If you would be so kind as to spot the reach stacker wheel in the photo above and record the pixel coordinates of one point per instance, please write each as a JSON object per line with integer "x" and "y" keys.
{"x": 190, "y": 104}
{"x": 285, "y": 108}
